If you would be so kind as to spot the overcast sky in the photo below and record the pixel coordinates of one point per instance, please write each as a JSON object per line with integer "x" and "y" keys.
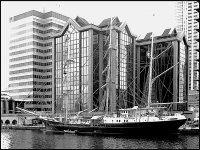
{"x": 138, "y": 16}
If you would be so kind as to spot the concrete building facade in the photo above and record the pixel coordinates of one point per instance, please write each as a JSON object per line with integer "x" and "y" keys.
{"x": 186, "y": 19}
{"x": 30, "y": 57}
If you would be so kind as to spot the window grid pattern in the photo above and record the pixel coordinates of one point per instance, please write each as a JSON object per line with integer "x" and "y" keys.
{"x": 29, "y": 37}
{"x": 31, "y": 96}
{"x": 125, "y": 40}
{"x": 124, "y": 66}
{"x": 30, "y": 56}
{"x": 51, "y": 24}
{"x": 30, "y": 70}
{"x": 67, "y": 69}
{"x": 84, "y": 68}
{"x": 29, "y": 83}
{"x": 30, "y": 89}
{"x": 30, "y": 43}
{"x": 34, "y": 30}
{"x": 30, "y": 76}
{"x": 182, "y": 72}
{"x": 71, "y": 61}
{"x": 58, "y": 69}
{"x": 117, "y": 60}
{"x": 30, "y": 50}
{"x": 32, "y": 63}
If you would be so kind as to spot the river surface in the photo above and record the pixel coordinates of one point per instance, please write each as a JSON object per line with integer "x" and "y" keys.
{"x": 36, "y": 139}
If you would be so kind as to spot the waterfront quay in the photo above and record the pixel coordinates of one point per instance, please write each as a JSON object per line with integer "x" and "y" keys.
{"x": 17, "y": 119}
{"x": 22, "y": 127}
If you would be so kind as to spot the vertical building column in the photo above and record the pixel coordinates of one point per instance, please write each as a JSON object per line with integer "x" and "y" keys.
{"x": 7, "y": 107}
{"x": 53, "y": 74}
{"x": 138, "y": 70}
{"x": 113, "y": 66}
{"x": 119, "y": 94}
{"x": 90, "y": 70}
{"x": 175, "y": 73}
{"x": 62, "y": 75}
{"x": 2, "y": 108}
{"x": 134, "y": 67}
{"x": 13, "y": 105}
{"x": 100, "y": 66}
{"x": 180, "y": 74}
{"x": 80, "y": 69}
{"x": 187, "y": 73}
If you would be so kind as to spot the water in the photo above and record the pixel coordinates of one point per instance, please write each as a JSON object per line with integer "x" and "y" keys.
{"x": 28, "y": 139}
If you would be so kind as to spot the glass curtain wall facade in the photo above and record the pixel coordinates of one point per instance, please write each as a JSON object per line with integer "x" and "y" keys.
{"x": 125, "y": 69}
{"x": 67, "y": 68}
{"x": 84, "y": 58}
{"x": 171, "y": 86}
{"x": 80, "y": 61}
{"x": 72, "y": 70}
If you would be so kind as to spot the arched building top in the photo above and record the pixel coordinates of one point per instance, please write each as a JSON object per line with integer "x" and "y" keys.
{"x": 81, "y": 24}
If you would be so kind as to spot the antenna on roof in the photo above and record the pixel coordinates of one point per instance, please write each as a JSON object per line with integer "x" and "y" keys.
{"x": 58, "y": 7}
{"x": 43, "y": 10}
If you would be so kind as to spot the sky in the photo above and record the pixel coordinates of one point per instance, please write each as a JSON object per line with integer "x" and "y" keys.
{"x": 137, "y": 14}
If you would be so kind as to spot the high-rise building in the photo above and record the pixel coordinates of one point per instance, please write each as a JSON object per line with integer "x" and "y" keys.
{"x": 30, "y": 57}
{"x": 186, "y": 16}
{"x": 197, "y": 29}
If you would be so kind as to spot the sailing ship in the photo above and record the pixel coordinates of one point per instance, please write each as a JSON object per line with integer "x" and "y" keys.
{"x": 125, "y": 121}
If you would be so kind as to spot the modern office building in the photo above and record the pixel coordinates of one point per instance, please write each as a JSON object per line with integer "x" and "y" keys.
{"x": 30, "y": 57}
{"x": 73, "y": 67}
{"x": 170, "y": 68}
{"x": 81, "y": 64}
{"x": 186, "y": 17}
{"x": 104, "y": 66}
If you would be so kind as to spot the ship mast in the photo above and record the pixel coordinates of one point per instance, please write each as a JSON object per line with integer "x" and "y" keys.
{"x": 151, "y": 80}
{"x": 150, "y": 74}
{"x": 108, "y": 80}
{"x": 108, "y": 73}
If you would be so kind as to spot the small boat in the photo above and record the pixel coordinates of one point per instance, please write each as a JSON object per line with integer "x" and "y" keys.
{"x": 190, "y": 129}
{"x": 69, "y": 131}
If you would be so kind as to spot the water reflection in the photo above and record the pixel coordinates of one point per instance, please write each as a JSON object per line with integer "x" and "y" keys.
{"x": 27, "y": 139}
{"x": 5, "y": 140}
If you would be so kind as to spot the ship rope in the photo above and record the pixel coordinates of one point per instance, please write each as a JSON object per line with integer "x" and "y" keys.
{"x": 141, "y": 95}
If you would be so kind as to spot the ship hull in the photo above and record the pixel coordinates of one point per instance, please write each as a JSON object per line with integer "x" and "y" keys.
{"x": 160, "y": 127}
